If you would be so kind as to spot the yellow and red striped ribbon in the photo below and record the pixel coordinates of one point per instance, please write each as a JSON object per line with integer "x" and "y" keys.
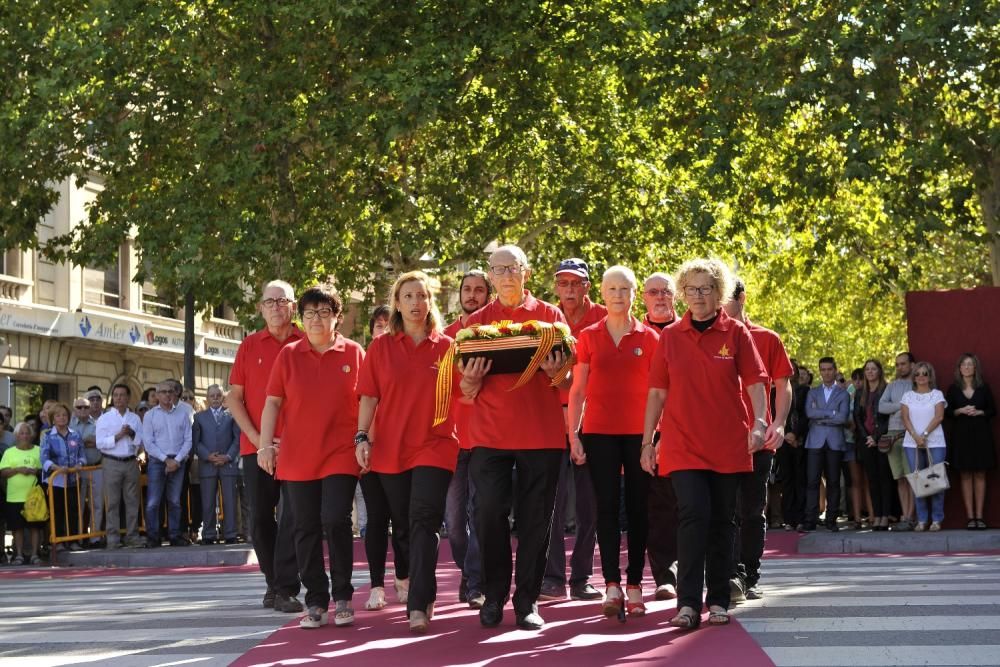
{"x": 546, "y": 341}
{"x": 442, "y": 389}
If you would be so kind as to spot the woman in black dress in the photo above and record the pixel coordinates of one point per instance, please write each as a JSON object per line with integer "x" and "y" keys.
{"x": 970, "y": 402}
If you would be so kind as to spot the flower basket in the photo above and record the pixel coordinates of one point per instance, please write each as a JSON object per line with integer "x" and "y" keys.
{"x": 514, "y": 347}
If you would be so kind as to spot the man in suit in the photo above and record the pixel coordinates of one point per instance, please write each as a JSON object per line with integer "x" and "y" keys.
{"x": 216, "y": 438}
{"x": 827, "y": 407}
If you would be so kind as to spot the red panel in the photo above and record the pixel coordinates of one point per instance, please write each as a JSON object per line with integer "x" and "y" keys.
{"x": 940, "y": 327}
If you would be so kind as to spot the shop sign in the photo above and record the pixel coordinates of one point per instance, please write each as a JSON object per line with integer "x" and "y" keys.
{"x": 31, "y": 321}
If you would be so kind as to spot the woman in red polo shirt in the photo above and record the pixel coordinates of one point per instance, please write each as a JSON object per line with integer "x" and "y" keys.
{"x": 707, "y": 436}
{"x": 411, "y": 459}
{"x": 312, "y": 386}
{"x": 612, "y": 375}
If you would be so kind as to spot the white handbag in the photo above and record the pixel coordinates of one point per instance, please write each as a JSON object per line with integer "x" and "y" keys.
{"x": 930, "y": 480}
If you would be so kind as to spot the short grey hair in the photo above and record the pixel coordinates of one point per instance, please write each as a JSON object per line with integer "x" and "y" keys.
{"x": 519, "y": 255}
{"x": 665, "y": 277}
{"x": 622, "y": 271}
{"x": 285, "y": 287}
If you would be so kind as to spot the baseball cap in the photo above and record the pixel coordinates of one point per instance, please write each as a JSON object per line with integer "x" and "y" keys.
{"x": 576, "y": 266}
{"x": 94, "y": 393}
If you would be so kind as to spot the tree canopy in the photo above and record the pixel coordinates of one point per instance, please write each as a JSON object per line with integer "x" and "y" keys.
{"x": 838, "y": 154}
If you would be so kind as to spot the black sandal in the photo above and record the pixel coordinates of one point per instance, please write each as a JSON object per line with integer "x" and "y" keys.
{"x": 972, "y": 525}
{"x": 686, "y": 619}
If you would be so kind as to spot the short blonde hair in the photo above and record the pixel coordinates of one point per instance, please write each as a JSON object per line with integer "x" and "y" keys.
{"x": 396, "y": 318}
{"x": 624, "y": 272}
{"x": 720, "y": 273}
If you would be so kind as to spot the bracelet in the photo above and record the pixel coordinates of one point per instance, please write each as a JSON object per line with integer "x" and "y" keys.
{"x": 266, "y": 447}
{"x": 924, "y": 434}
{"x": 646, "y": 444}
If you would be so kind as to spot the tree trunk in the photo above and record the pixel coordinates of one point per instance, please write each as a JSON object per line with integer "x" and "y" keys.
{"x": 989, "y": 200}
{"x": 189, "y": 340}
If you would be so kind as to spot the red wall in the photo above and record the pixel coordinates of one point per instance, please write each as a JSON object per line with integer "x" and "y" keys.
{"x": 940, "y": 327}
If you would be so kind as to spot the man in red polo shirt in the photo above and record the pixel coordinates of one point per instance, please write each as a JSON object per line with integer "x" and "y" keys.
{"x": 572, "y": 287}
{"x": 474, "y": 291}
{"x": 507, "y": 427}
{"x": 751, "y": 527}
{"x": 272, "y": 530}
{"x": 661, "y": 541}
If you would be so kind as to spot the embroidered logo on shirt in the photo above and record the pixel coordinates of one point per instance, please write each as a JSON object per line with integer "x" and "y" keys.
{"x": 637, "y": 351}
{"x": 723, "y": 352}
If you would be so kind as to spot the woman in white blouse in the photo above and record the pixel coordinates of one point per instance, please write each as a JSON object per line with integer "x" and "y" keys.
{"x": 922, "y": 412}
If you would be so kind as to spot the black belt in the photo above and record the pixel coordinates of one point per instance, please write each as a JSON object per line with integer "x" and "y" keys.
{"x": 123, "y": 459}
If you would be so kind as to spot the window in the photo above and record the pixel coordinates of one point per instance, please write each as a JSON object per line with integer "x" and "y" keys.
{"x": 155, "y": 301}
{"x": 102, "y": 286}
{"x": 10, "y": 263}
{"x": 224, "y": 312}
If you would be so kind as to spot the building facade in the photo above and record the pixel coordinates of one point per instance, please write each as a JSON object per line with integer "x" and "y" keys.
{"x": 65, "y": 328}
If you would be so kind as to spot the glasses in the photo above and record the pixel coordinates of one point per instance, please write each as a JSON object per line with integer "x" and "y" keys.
{"x": 271, "y": 303}
{"x": 704, "y": 290}
{"x": 658, "y": 292}
{"x": 501, "y": 269}
{"x": 922, "y": 374}
{"x": 322, "y": 313}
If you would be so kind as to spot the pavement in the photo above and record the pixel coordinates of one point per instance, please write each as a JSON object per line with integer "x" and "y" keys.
{"x": 820, "y": 542}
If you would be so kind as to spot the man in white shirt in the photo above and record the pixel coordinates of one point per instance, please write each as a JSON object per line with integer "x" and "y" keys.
{"x": 118, "y": 437}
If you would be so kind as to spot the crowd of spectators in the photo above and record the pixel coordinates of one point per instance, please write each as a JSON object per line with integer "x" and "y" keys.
{"x": 92, "y": 461}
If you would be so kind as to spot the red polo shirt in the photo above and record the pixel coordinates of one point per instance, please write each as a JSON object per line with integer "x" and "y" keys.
{"x": 705, "y": 423}
{"x": 618, "y": 378}
{"x": 320, "y": 407}
{"x": 659, "y": 326}
{"x": 453, "y": 328}
{"x": 526, "y": 418}
{"x": 254, "y": 360}
{"x": 402, "y": 376}
{"x": 776, "y": 362}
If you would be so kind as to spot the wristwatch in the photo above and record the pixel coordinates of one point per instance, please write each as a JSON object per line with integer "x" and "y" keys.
{"x": 361, "y": 436}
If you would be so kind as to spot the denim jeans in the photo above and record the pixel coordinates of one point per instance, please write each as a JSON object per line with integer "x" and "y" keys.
{"x": 157, "y": 481}
{"x": 461, "y": 527}
{"x": 937, "y": 500}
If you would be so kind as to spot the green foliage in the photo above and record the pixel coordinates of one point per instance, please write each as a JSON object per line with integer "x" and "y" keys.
{"x": 837, "y": 154}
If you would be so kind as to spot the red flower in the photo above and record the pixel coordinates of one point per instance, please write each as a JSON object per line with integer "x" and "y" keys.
{"x": 527, "y": 328}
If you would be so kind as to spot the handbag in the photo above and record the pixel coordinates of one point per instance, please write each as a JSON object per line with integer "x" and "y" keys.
{"x": 35, "y": 509}
{"x": 887, "y": 442}
{"x": 930, "y": 480}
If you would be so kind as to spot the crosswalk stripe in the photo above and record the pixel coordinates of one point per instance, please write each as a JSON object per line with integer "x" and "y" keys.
{"x": 880, "y": 656}
{"x": 870, "y": 623}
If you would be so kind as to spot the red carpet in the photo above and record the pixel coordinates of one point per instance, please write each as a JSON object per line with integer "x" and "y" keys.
{"x": 575, "y": 634}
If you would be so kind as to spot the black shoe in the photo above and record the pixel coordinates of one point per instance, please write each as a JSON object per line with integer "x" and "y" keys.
{"x": 463, "y": 590}
{"x": 152, "y": 542}
{"x": 207, "y": 541}
{"x": 232, "y": 540}
{"x": 832, "y": 527}
{"x": 287, "y": 604}
{"x": 584, "y": 591}
{"x": 530, "y": 620}
{"x": 180, "y": 541}
{"x": 491, "y": 614}
{"x": 808, "y": 528}
{"x": 268, "y": 600}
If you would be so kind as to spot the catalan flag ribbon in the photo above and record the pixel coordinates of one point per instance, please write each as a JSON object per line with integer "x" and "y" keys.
{"x": 442, "y": 389}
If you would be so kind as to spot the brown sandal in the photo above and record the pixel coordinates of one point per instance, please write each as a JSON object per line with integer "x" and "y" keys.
{"x": 718, "y": 616}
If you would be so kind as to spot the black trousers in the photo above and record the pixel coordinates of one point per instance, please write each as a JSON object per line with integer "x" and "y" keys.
{"x": 824, "y": 462}
{"x": 792, "y": 481}
{"x": 323, "y": 506}
{"x": 377, "y": 534}
{"x": 661, "y": 541}
{"x": 492, "y": 473}
{"x": 706, "y": 501}
{"x": 416, "y": 500}
{"x": 272, "y": 532}
{"x": 581, "y": 562}
{"x": 751, "y": 524}
{"x": 607, "y": 455}
{"x": 880, "y": 482}
{"x": 66, "y": 509}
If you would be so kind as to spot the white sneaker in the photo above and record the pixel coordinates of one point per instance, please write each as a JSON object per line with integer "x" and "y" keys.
{"x": 316, "y": 617}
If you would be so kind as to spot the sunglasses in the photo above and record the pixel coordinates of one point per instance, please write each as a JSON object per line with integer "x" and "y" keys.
{"x": 922, "y": 374}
